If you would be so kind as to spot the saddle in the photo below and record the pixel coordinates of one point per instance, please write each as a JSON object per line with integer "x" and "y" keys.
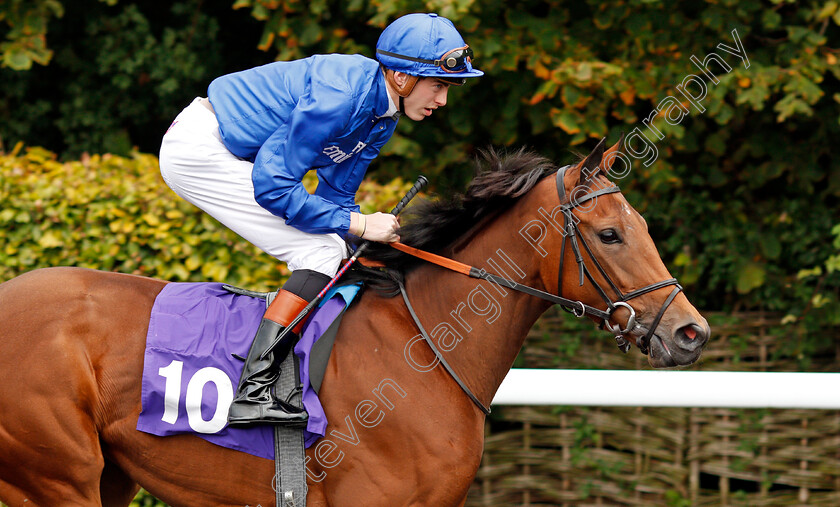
{"x": 196, "y": 331}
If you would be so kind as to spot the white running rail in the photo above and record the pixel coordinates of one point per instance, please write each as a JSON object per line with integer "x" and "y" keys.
{"x": 670, "y": 388}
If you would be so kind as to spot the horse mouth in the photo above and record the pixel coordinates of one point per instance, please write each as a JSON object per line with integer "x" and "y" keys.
{"x": 661, "y": 355}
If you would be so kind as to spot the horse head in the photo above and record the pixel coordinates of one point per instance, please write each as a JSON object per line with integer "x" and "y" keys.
{"x": 585, "y": 249}
{"x": 604, "y": 257}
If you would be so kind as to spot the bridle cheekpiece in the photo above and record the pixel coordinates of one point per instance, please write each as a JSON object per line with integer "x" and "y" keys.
{"x": 572, "y": 234}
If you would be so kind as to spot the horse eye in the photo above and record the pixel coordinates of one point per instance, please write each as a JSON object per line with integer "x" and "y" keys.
{"x": 609, "y": 236}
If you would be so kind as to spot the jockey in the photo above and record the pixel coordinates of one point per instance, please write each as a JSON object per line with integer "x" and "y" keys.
{"x": 241, "y": 154}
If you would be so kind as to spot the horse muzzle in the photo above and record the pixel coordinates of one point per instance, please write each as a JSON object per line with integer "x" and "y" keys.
{"x": 679, "y": 348}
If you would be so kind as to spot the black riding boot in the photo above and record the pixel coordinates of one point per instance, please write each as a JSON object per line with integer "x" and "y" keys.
{"x": 254, "y": 402}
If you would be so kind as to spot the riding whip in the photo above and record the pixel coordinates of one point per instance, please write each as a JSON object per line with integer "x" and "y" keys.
{"x": 418, "y": 186}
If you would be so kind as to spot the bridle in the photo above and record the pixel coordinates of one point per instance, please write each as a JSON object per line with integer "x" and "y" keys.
{"x": 577, "y": 308}
{"x": 572, "y": 234}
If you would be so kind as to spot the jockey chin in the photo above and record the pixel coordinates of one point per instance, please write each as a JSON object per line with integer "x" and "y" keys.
{"x": 241, "y": 153}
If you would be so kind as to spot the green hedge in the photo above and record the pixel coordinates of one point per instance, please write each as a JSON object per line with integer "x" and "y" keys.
{"x": 116, "y": 213}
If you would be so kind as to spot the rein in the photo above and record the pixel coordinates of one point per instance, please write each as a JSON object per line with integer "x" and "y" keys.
{"x": 577, "y": 308}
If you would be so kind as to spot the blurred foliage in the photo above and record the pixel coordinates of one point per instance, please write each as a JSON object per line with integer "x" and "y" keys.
{"x": 816, "y": 302}
{"x": 116, "y": 213}
{"x": 742, "y": 197}
{"x": 26, "y": 41}
{"x": 117, "y": 73}
{"x": 145, "y": 499}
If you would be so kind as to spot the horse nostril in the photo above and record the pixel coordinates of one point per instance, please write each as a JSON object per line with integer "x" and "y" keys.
{"x": 691, "y": 337}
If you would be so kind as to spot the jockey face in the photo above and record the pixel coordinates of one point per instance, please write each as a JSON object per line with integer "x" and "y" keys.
{"x": 428, "y": 94}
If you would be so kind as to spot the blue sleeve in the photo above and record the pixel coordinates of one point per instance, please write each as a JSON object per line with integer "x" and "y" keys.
{"x": 291, "y": 151}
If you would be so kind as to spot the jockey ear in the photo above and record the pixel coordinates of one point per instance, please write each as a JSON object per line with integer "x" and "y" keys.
{"x": 589, "y": 167}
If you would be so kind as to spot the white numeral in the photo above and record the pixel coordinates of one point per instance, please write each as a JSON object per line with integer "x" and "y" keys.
{"x": 195, "y": 393}
{"x": 171, "y": 390}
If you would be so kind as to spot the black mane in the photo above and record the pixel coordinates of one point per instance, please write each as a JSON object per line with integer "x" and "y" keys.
{"x": 500, "y": 180}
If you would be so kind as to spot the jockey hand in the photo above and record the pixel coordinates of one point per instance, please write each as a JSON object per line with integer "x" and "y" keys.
{"x": 379, "y": 227}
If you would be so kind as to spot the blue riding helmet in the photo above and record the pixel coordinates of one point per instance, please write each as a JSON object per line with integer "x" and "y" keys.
{"x": 426, "y": 45}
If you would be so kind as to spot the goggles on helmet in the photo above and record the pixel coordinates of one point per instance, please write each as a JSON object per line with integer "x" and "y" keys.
{"x": 454, "y": 60}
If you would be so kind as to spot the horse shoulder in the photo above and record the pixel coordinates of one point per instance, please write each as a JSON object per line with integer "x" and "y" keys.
{"x": 377, "y": 397}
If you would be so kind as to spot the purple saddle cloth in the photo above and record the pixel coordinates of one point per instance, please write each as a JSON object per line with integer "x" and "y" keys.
{"x": 190, "y": 375}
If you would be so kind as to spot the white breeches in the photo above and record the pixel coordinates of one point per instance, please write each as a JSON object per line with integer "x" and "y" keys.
{"x": 196, "y": 165}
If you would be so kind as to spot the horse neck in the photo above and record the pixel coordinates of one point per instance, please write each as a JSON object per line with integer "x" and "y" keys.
{"x": 479, "y": 326}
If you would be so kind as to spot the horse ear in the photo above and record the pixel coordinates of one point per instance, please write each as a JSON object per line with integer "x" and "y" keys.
{"x": 589, "y": 167}
{"x": 610, "y": 154}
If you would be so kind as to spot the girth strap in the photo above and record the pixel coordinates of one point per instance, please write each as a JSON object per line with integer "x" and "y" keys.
{"x": 437, "y": 353}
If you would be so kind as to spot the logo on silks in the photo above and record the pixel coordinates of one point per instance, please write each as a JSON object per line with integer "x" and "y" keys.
{"x": 338, "y": 155}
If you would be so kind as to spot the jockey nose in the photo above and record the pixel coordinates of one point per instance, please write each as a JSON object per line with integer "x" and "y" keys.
{"x": 441, "y": 98}
{"x": 691, "y": 337}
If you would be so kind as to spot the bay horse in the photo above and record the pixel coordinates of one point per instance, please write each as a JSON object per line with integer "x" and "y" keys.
{"x": 402, "y": 431}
